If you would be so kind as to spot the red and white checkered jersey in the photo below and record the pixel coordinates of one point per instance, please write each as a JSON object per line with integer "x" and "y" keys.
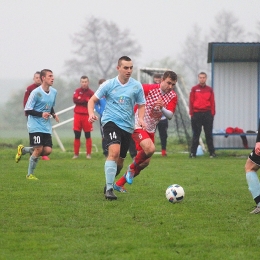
{"x": 153, "y": 114}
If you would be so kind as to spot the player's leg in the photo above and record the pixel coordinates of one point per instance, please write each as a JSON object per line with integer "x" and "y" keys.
{"x": 88, "y": 145}
{"x": 162, "y": 128}
{"x": 22, "y": 150}
{"x": 87, "y": 128}
{"x": 112, "y": 135}
{"x": 77, "y": 133}
{"x": 145, "y": 146}
{"x": 36, "y": 141}
{"x": 196, "y": 125}
{"x": 208, "y": 126}
{"x": 251, "y": 167}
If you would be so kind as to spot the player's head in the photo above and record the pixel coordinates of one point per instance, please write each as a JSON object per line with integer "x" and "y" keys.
{"x": 202, "y": 78}
{"x": 101, "y": 81}
{"x": 157, "y": 78}
{"x": 125, "y": 68}
{"x": 84, "y": 81}
{"x": 47, "y": 77}
{"x": 37, "y": 78}
{"x": 169, "y": 80}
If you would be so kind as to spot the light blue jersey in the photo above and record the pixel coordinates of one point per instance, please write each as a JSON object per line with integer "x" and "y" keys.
{"x": 40, "y": 101}
{"x": 120, "y": 101}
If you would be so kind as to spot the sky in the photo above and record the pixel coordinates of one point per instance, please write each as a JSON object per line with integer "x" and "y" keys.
{"x": 37, "y": 34}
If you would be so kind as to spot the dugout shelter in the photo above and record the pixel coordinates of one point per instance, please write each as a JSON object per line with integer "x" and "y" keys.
{"x": 235, "y": 78}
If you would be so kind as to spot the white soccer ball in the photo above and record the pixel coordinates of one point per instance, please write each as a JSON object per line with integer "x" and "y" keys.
{"x": 175, "y": 193}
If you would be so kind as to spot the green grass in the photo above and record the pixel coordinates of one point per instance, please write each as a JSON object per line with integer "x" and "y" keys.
{"x": 64, "y": 215}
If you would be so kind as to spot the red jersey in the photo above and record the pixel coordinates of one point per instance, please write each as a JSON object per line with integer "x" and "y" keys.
{"x": 28, "y": 92}
{"x": 81, "y": 97}
{"x": 202, "y": 99}
{"x": 153, "y": 115}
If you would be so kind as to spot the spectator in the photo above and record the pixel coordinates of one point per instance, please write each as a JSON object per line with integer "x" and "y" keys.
{"x": 202, "y": 112}
{"x": 81, "y": 97}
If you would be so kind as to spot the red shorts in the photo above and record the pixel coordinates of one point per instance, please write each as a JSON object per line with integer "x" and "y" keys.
{"x": 139, "y": 135}
{"x": 81, "y": 122}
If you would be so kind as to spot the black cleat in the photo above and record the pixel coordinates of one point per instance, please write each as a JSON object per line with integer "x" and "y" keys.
{"x": 192, "y": 155}
{"x": 110, "y": 195}
{"x": 212, "y": 155}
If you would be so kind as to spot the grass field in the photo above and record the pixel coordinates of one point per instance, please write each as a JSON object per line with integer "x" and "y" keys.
{"x": 64, "y": 215}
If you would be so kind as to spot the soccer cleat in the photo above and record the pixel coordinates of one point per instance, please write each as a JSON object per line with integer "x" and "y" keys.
{"x": 256, "y": 210}
{"x": 19, "y": 153}
{"x": 120, "y": 188}
{"x": 45, "y": 158}
{"x": 88, "y": 156}
{"x": 75, "y": 156}
{"x": 212, "y": 155}
{"x": 31, "y": 177}
{"x": 110, "y": 195}
{"x": 129, "y": 175}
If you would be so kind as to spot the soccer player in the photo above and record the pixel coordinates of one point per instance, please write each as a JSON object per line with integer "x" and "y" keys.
{"x": 122, "y": 93}
{"x": 160, "y": 100}
{"x": 81, "y": 97}
{"x": 251, "y": 167}
{"x": 39, "y": 109}
{"x": 29, "y": 89}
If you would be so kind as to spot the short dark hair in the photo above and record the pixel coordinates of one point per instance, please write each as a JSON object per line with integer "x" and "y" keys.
{"x": 169, "y": 74}
{"x": 157, "y": 76}
{"x": 84, "y": 77}
{"x": 37, "y": 72}
{"x": 43, "y": 73}
{"x": 101, "y": 81}
{"x": 126, "y": 58}
{"x": 202, "y": 73}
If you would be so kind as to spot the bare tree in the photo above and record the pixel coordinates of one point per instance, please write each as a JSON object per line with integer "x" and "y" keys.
{"x": 98, "y": 46}
{"x": 226, "y": 28}
{"x": 194, "y": 54}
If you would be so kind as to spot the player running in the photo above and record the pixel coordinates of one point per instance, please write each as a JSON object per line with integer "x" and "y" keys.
{"x": 39, "y": 108}
{"x": 160, "y": 100}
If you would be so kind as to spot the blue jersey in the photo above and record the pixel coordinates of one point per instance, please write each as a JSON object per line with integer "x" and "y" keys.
{"x": 40, "y": 101}
{"x": 100, "y": 106}
{"x": 120, "y": 101}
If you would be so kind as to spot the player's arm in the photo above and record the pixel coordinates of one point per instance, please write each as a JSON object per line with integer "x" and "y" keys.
{"x": 170, "y": 109}
{"x": 141, "y": 112}
{"x": 91, "y": 105}
{"x": 78, "y": 100}
{"x": 26, "y": 96}
{"x": 54, "y": 115}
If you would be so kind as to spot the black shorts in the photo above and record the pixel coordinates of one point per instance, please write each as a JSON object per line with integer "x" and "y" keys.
{"x": 40, "y": 139}
{"x": 254, "y": 158}
{"x": 115, "y": 135}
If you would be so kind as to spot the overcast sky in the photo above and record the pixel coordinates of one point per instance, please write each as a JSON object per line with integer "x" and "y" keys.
{"x": 36, "y": 34}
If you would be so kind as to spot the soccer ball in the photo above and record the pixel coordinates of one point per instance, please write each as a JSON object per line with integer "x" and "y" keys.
{"x": 174, "y": 193}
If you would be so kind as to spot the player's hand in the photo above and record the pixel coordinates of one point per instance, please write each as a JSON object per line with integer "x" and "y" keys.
{"x": 142, "y": 124}
{"x": 92, "y": 118}
{"x": 46, "y": 115}
{"x": 57, "y": 119}
{"x": 257, "y": 148}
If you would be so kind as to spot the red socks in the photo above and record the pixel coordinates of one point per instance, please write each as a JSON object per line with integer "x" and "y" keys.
{"x": 76, "y": 146}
